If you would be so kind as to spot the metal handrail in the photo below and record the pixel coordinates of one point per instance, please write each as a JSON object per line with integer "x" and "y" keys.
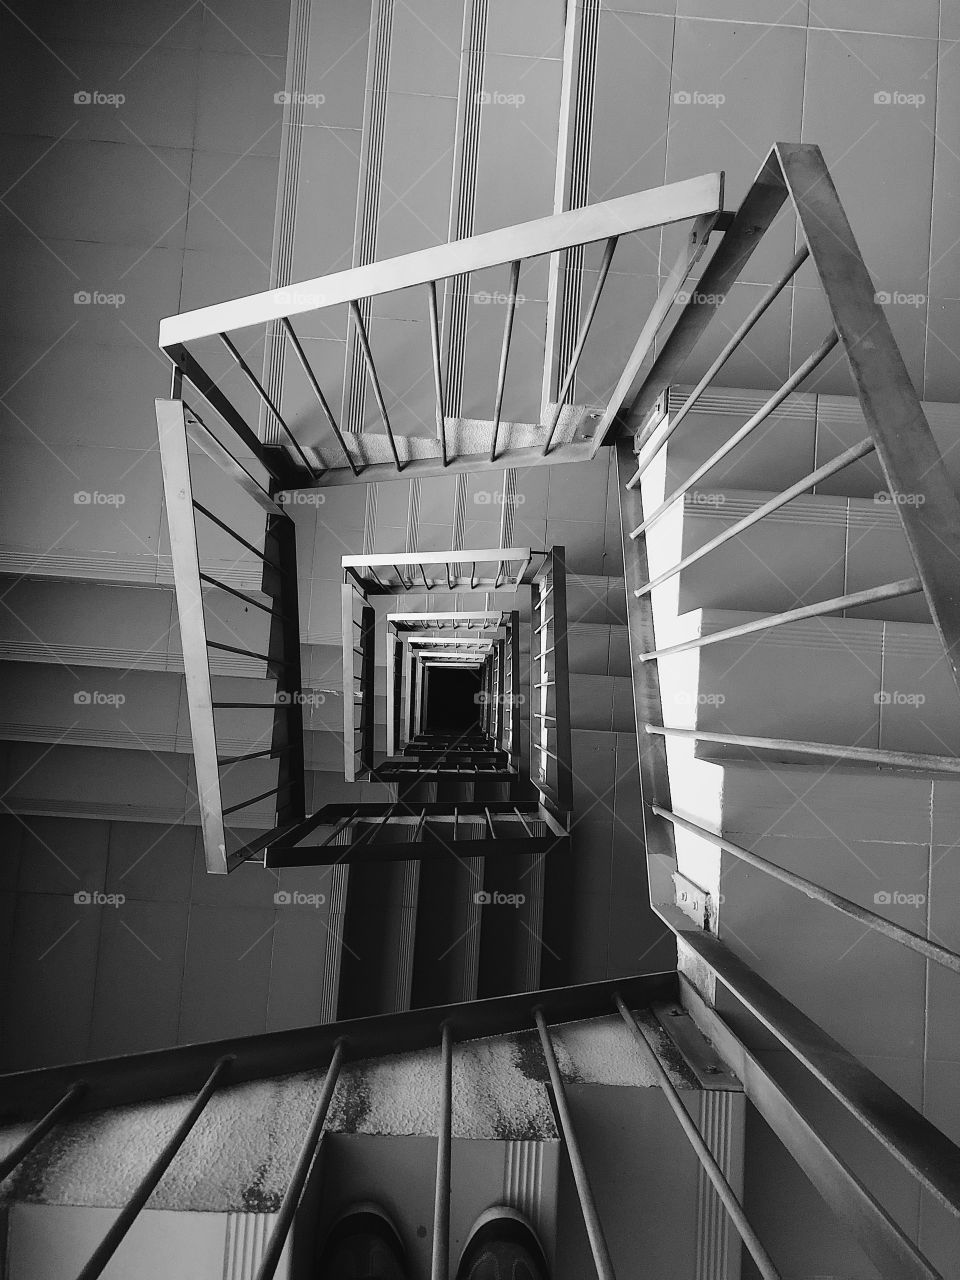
{"x": 898, "y": 433}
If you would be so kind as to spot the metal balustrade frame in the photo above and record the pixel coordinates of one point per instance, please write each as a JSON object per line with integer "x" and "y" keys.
{"x": 899, "y": 434}
{"x": 281, "y": 730}
{"x": 697, "y": 201}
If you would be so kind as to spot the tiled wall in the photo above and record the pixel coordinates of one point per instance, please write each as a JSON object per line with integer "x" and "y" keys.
{"x": 161, "y": 953}
{"x": 147, "y": 205}
{"x": 776, "y": 70}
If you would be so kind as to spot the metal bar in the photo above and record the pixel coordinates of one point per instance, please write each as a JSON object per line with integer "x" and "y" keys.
{"x": 40, "y": 1130}
{"x": 181, "y": 524}
{"x": 608, "y": 251}
{"x": 808, "y": 482}
{"x": 703, "y": 1153}
{"x": 248, "y": 653}
{"x": 911, "y": 1138}
{"x": 440, "y": 1255}
{"x": 831, "y": 750}
{"x": 908, "y": 454}
{"x": 480, "y": 555}
{"x": 396, "y": 569}
{"x": 245, "y": 804}
{"x": 262, "y": 706}
{"x": 505, "y": 353}
{"x": 294, "y": 1191}
{"x": 889, "y": 591}
{"x": 473, "y": 575}
{"x": 490, "y": 826}
{"x": 738, "y": 336}
{"x": 588, "y": 1205}
{"x": 308, "y": 370}
{"x": 690, "y": 253}
{"x": 374, "y": 379}
{"x": 201, "y": 435}
{"x": 222, "y": 524}
{"x": 437, "y": 375}
{"x": 374, "y": 829}
{"x": 253, "y": 755}
{"x": 424, "y": 577}
{"x": 674, "y": 202}
{"x": 522, "y": 457}
{"x": 750, "y": 223}
{"x": 159, "y": 1073}
{"x": 897, "y": 933}
{"x": 277, "y": 464}
{"x": 791, "y": 384}
{"x": 881, "y": 1238}
{"x": 526, "y": 825}
{"x": 241, "y": 595}
{"x": 267, "y": 400}
{"x": 127, "y": 1215}
{"x": 446, "y": 565}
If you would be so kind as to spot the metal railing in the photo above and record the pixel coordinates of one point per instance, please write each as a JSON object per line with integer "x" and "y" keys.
{"x": 898, "y": 434}
{"x": 45, "y": 1098}
{"x": 399, "y": 832}
{"x": 278, "y": 747}
{"x": 322, "y": 452}
{"x": 550, "y": 747}
{"x": 427, "y": 572}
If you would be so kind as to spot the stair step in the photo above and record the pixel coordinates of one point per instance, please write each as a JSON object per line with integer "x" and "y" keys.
{"x": 814, "y": 548}
{"x": 856, "y": 681}
{"x": 807, "y": 431}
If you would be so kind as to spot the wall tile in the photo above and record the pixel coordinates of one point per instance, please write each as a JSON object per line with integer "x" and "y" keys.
{"x": 920, "y": 18}
{"x": 227, "y": 972}
{"x": 136, "y": 1004}
{"x": 864, "y": 141}
{"x": 152, "y": 863}
{"x": 60, "y": 856}
{"x": 50, "y": 996}
{"x": 246, "y": 26}
{"x": 238, "y": 111}
{"x": 139, "y": 198}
